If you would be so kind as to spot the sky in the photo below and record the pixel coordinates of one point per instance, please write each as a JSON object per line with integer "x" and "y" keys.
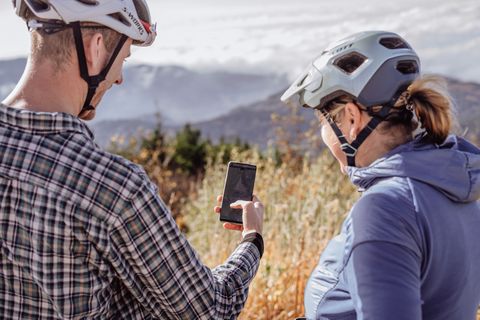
{"x": 284, "y": 36}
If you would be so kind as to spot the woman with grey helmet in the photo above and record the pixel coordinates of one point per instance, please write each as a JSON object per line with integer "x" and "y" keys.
{"x": 408, "y": 248}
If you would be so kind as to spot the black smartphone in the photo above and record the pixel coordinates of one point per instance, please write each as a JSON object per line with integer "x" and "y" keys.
{"x": 239, "y": 184}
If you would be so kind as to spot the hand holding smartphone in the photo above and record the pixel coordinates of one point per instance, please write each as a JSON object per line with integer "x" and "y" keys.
{"x": 239, "y": 184}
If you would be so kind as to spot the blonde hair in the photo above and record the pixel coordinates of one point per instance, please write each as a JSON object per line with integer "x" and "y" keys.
{"x": 428, "y": 98}
{"x": 433, "y": 106}
{"x": 59, "y": 46}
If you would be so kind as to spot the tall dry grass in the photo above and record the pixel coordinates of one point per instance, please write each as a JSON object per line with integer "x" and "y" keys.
{"x": 306, "y": 202}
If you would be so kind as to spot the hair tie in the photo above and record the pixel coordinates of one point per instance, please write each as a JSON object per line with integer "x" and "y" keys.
{"x": 409, "y": 105}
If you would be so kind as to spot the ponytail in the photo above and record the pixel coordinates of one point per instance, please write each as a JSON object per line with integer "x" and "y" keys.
{"x": 433, "y": 106}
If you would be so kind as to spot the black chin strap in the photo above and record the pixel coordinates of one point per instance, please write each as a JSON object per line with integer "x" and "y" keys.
{"x": 92, "y": 81}
{"x": 350, "y": 149}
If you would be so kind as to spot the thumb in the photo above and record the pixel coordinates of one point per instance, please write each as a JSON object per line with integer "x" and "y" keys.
{"x": 237, "y": 203}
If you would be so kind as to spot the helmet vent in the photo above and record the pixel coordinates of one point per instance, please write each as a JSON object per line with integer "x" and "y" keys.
{"x": 350, "y": 62}
{"x": 89, "y": 2}
{"x": 39, "y": 5}
{"x": 142, "y": 11}
{"x": 407, "y": 67}
{"x": 119, "y": 17}
{"x": 394, "y": 43}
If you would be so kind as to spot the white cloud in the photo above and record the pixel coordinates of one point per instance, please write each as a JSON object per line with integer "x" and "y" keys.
{"x": 284, "y": 35}
{"x": 13, "y": 34}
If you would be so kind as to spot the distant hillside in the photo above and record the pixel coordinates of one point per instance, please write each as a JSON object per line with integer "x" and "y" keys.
{"x": 211, "y": 102}
{"x": 467, "y": 97}
{"x": 180, "y": 95}
{"x": 10, "y": 73}
{"x": 253, "y": 123}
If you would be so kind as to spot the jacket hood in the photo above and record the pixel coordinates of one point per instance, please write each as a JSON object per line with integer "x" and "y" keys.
{"x": 452, "y": 167}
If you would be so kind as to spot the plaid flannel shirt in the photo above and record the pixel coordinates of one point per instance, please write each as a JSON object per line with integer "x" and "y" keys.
{"x": 84, "y": 234}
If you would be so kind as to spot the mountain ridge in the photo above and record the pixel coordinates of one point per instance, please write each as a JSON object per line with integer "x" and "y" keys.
{"x": 222, "y": 104}
{"x": 253, "y": 122}
{"x": 179, "y": 94}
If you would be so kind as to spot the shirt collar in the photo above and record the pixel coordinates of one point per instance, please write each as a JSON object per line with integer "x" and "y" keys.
{"x": 43, "y": 122}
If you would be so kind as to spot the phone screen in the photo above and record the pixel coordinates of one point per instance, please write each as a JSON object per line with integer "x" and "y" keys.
{"x": 238, "y": 186}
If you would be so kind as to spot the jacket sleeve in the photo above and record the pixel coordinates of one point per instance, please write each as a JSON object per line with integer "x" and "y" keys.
{"x": 384, "y": 267}
{"x": 164, "y": 273}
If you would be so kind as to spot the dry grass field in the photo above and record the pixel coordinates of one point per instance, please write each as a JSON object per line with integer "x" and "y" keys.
{"x": 306, "y": 202}
{"x": 305, "y": 205}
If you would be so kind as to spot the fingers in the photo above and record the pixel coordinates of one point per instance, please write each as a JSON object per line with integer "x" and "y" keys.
{"x": 231, "y": 226}
{"x": 256, "y": 202}
{"x": 235, "y": 205}
{"x": 219, "y": 202}
{"x": 239, "y": 204}
{"x": 249, "y": 212}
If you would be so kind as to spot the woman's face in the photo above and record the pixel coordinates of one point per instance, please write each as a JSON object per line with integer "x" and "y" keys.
{"x": 331, "y": 140}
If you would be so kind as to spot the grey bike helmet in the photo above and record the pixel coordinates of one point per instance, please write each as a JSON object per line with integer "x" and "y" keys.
{"x": 372, "y": 67}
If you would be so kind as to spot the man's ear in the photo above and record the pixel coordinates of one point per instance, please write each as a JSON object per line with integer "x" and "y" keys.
{"x": 353, "y": 116}
{"x": 95, "y": 53}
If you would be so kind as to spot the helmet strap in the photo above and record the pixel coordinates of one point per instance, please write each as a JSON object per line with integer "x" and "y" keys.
{"x": 92, "y": 81}
{"x": 351, "y": 149}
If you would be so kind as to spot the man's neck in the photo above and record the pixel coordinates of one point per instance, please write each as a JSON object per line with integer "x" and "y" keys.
{"x": 43, "y": 89}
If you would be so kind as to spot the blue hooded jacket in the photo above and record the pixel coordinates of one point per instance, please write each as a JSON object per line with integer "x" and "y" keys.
{"x": 410, "y": 247}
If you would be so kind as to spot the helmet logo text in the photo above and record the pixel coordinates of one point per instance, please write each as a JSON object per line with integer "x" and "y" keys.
{"x": 135, "y": 21}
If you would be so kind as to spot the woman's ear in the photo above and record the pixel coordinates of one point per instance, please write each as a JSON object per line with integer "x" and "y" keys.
{"x": 95, "y": 53}
{"x": 353, "y": 116}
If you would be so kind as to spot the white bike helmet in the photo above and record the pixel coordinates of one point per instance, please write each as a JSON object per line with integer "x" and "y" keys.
{"x": 130, "y": 18}
{"x": 373, "y": 68}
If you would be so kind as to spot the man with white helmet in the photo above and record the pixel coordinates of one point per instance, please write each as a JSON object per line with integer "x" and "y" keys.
{"x": 83, "y": 233}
